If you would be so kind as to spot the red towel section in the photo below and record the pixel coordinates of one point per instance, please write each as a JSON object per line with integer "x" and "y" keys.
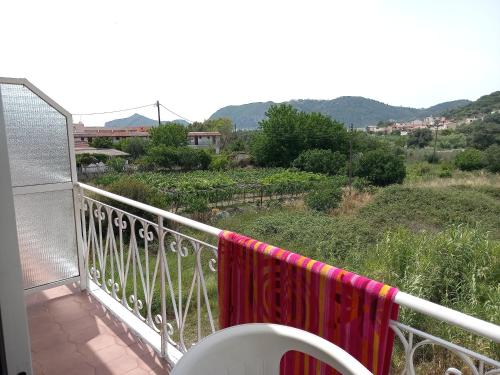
{"x": 259, "y": 283}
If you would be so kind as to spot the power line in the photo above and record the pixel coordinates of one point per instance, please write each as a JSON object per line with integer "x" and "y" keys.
{"x": 176, "y": 114}
{"x": 118, "y": 110}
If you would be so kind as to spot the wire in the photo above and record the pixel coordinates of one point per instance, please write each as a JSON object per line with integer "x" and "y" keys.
{"x": 118, "y": 110}
{"x": 176, "y": 114}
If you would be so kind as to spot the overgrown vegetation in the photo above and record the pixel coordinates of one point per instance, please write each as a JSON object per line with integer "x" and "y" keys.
{"x": 381, "y": 167}
{"x": 439, "y": 242}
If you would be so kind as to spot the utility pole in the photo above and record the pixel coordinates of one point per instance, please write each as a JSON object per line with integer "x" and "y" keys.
{"x": 350, "y": 159}
{"x": 436, "y": 126}
{"x": 158, "y": 107}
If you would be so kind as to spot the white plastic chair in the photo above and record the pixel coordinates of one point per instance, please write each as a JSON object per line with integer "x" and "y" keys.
{"x": 257, "y": 349}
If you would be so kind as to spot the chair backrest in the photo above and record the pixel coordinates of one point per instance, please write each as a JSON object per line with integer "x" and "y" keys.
{"x": 257, "y": 349}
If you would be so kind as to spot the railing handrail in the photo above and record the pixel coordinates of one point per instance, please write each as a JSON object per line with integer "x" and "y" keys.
{"x": 445, "y": 314}
{"x": 154, "y": 210}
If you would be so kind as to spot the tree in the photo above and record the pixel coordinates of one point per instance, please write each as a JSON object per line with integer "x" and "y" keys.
{"x": 286, "y": 132}
{"x": 116, "y": 164}
{"x": 469, "y": 160}
{"x": 321, "y": 161}
{"x": 85, "y": 160}
{"x": 492, "y": 158}
{"x": 134, "y": 146}
{"x": 102, "y": 142}
{"x": 381, "y": 167}
{"x": 169, "y": 135}
{"x": 420, "y": 138}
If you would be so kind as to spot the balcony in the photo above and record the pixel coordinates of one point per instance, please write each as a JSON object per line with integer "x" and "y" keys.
{"x": 156, "y": 273}
{"x": 115, "y": 286}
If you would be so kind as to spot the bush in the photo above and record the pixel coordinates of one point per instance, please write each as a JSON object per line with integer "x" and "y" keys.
{"x": 492, "y": 158}
{"x": 324, "y": 197}
{"x": 469, "y": 160}
{"x": 116, "y": 164}
{"x": 361, "y": 184}
{"x": 137, "y": 190}
{"x": 219, "y": 163}
{"x": 381, "y": 167}
{"x": 321, "y": 161}
{"x": 102, "y": 142}
{"x": 432, "y": 158}
{"x": 422, "y": 169}
{"x": 183, "y": 157}
{"x": 445, "y": 173}
{"x": 420, "y": 138}
{"x": 192, "y": 158}
{"x": 134, "y": 146}
{"x": 450, "y": 140}
{"x": 87, "y": 159}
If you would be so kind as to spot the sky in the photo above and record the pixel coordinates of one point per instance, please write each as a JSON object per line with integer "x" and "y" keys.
{"x": 198, "y": 56}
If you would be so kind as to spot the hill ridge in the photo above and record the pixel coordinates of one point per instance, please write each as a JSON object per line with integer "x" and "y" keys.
{"x": 358, "y": 110}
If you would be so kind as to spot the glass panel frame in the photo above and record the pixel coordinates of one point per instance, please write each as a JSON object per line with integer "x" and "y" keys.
{"x": 65, "y": 181}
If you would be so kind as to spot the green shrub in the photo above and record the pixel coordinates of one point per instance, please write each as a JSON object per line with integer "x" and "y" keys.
{"x": 469, "y": 160}
{"x": 381, "y": 167}
{"x": 492, "y": 158}
{"x": 361, "y": 184}
{"x": 420, "y": 138}
{"x": 451, "y": 140}
{"x": 324, "y": 197}
{"x": 116, "y": 164}
{"x": 134, "y": 146}
{"x": 432, "y": 158}
{"x": 102, "y": 142}
{"x": 137, "y": 190}
{"x": 219, "y": 163}
{"x": 321, "y": 161}
{"x": 183, "y": 157}
{"x": 192, "y": 158}
{"x": 87, "y": 159}
{"x": 445, "y": 173}
{"x": 422, "y": 169}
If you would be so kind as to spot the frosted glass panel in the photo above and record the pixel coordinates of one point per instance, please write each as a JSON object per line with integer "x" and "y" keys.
{"x": 36, "y": 136}
{"x": 47, "y": 238}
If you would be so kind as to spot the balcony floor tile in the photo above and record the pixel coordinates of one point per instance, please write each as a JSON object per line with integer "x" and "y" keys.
{"x": 71, "y": 333}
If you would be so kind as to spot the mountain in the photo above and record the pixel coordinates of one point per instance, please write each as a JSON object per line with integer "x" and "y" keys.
{"x": 483, "y": 106}
{"x": 347, "y": 109}
{"x": 134, "y": 120}
{"x": 139, "y": 120}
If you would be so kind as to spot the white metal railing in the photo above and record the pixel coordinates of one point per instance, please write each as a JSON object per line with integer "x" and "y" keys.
{"x": 133, "y": 258}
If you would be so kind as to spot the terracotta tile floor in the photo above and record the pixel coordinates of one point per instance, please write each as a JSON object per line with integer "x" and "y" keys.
{"x": 71, "y": 333}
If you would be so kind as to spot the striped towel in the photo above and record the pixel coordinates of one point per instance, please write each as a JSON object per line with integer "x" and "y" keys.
{"x": 259, "y": 283}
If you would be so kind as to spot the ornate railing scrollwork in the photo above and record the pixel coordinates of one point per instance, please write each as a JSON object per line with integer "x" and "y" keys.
{"x": 157, "y": 273}
{"x": 413, "y": 339}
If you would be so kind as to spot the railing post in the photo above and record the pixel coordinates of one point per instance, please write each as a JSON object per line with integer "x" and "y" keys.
{"x": 80, "y": 235}
{"x": 161, "y": 254}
